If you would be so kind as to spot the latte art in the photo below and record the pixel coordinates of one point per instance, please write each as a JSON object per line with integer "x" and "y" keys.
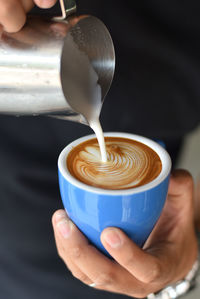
{"x": 129, "y": 164}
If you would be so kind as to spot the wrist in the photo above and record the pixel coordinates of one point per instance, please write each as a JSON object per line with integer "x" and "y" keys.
{"x": 183, "y": 286}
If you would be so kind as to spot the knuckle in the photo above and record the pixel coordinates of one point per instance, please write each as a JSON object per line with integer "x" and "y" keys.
{"x": 105, "y": 279}
{"x": 153, "y": 275}
{"x": 76, "y": 252}
{"x": 80, "y": 276}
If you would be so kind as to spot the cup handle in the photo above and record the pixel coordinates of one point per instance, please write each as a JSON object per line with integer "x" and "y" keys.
{"x": 67, "y": 7}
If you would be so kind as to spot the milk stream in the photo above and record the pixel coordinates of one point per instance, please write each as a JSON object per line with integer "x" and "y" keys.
{"x": 96, "y": 126}
{"x": 83, "y": 89}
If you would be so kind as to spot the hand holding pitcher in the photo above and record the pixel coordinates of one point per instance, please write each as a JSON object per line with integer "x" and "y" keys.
{"x": 13, "y": 12}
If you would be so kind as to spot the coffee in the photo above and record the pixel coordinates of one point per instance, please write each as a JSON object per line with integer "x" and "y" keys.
{"x": 129, "y": 164}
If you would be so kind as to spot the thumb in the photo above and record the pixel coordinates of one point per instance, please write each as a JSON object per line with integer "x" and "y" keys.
{"x": 45, "y": 3}
{"x": 142, "y": 265}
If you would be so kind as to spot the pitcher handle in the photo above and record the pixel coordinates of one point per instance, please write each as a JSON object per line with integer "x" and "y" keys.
{"x": 68, "y": 7}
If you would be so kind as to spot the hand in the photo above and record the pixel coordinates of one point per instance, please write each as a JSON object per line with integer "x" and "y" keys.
{"x": 168, "y": 255}
{"x": 13, "y": 12}
{"x": 197, "y": 205}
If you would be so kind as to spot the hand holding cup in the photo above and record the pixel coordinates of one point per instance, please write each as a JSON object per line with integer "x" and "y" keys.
{"x": 167, "y": 256}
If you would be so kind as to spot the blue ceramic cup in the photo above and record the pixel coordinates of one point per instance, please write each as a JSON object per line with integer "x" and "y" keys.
{"x": 135, "y": 210}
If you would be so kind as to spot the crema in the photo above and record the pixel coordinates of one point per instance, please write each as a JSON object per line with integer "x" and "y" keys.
{"x": 129, "y": 164}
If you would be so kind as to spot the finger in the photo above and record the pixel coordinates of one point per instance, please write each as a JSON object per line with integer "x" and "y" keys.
{"x": 181, "y": 184}
{"x": 181, "y": 193}
{"x": 12, "y": 15}
{"x": 178, "y": 204}
{"x": 104, "y": 272}
{"x": 45, "y": 3}
{"x": 197, "y": 205}
{"x": 58, "y": 219}
{"x": 27, "y": 5}
{"x": 142, "y": 265}
{"x": 76, "y": 272}
{"x": 32, "y": 34}
{"x": 1, "y": 30}
{"x": 172, "y": 226}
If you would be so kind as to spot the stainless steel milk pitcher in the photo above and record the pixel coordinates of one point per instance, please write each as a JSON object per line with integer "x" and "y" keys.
{"x": 52, "y": 66}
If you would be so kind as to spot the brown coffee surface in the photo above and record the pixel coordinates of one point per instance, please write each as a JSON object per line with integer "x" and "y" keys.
{"x": 130, "y": 164}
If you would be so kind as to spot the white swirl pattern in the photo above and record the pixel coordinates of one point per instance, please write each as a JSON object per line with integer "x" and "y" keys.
{"x": 130, "y": 164}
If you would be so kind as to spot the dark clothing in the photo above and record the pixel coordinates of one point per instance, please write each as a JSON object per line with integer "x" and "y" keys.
{"x": 155, "y": 93}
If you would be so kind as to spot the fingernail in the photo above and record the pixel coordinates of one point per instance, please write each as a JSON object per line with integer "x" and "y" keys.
{"x": 45, "y": 3}
{"x": 64, "y": 227}
{"x": 112, "y": 237}
{"x": 60, "y": 215}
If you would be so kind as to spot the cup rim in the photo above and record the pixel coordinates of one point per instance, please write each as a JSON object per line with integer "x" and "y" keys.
{"x": 163, "y": 154}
